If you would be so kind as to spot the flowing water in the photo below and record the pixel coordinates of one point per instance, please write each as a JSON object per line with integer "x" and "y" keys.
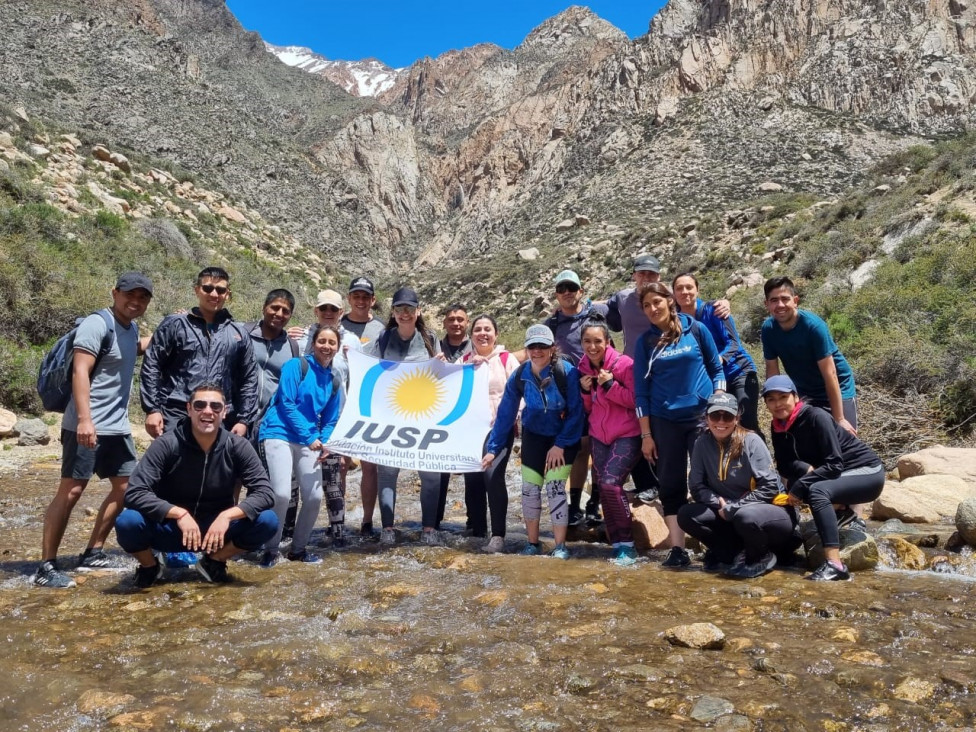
{"x": 418, "y": 637}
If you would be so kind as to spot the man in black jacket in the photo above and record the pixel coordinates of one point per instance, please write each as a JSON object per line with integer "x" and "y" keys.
{"x": 181, "y": 495}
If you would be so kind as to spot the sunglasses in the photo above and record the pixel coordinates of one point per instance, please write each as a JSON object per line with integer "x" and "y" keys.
{"x": 221, "y": 290}
{"x": 564, "y": 288}
{"x": 721, "y": 417}
{"x": 199, "y": 405}
{"x": 537, "y": 347}
{"x": 404, "y": 310}
{"x": 328, "y": 309}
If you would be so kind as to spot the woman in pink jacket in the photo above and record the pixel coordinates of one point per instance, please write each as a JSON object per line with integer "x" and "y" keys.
{"x": 607, "y": 383}
{"x": 486, "y": 491}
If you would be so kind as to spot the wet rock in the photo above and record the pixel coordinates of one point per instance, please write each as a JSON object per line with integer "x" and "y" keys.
{"x": 705, "y": 636}
{"x": 709, "y": 708}
{"x": 846, "y": 635}
{"x": 650, "y": 531}
{"x": 579, "y": 684}
{"x": 958, "y": 679}
{"x": 764, "y": 665}
{"x": 733, "y": 723}
{"x": 7, "y": 421}
{"x": 966, "y": 520}
{"x": 858, "y": 550}
{"x": 103, "y": 703}
{"x": 914, "y": 690}
{"x": 425, "y": 703}
{"x": 922, "y": 499}
{"x": 493, "y": 598}
{"x": 31, "y": 432}
{"x": 957, "y": 461}
{"x": 146, "y": 719}
{"x": 907, "y": 556}
{"x": 638, "y": 672}
{"x": 737, "y": 645}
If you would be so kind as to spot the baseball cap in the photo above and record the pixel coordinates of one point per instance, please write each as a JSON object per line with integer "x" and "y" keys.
{"x": 406, "y": 296}
{"x": 329, "y": 297}
{"x": 538, "y": 334}
{"x": 568, "y": 275}
{"x": 133, "y": 281}
{"x": 362, "y": 284}
{"x": 779, "y": 383}
{"x": 723, "y": 402}
{"x": 646, "y": 263}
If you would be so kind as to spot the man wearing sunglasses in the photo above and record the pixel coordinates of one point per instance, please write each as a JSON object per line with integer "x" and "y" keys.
{"x": 181, "y": 496}
{"x": 566, "y": 325}
{"x": 202, "y": 345}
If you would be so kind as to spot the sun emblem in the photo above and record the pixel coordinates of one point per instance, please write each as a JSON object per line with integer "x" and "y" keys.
{"x": 416, "y": 395}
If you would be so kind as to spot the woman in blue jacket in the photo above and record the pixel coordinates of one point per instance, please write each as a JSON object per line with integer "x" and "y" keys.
{"x": 741, "y": 376}
{"x": 299, "y": 421}
{"x": 676, "y": 370}
{"x": 552, "y": 423}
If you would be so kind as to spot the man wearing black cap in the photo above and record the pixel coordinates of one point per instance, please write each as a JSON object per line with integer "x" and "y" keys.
{"x": 96, "y": 437}
{"x": 359, "y": 320}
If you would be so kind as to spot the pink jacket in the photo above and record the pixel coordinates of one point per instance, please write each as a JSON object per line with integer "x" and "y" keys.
{"x": 499, "y": 369}
{"x": 611, "y": 411}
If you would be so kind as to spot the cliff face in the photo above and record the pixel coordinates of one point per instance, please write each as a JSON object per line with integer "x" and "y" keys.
{"x": 484, "y": 148}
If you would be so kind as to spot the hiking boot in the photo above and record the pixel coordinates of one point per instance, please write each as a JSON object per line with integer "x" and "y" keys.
{"x": 338, "y": 533}
{"x": 48, "y": 575}
{"x": 94, "y": 559}
{"x": 179, "y": 560}
{"x": 147, "y": 576}
{"x": 576, "y": 517}
{"x": 648, "y": 496}
{"x": 677, "y": 558}
{"x": 712, "y": 564}
{"x": 270, "y": 559}
{"x": 431, "y": 538}
{"x": 751, "y": 570}
{"x": 305, "y": 557}
{"x": 559, "y": 552}
{"x": 531, "y": 550}
{"x": 212, "y": 570}
{"x": 495, "y": 545}
{"x": 849, "y": 519}
{"x": 827, "y": 572}
{"x": 388, "y": 535}
{"x": 624, "y": 556}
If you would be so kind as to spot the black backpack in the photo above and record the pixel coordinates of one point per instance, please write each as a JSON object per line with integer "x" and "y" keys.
{"x": 558, "y": 375}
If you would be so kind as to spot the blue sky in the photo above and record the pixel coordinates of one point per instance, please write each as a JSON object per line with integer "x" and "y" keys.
{"x": 399, "y": 33}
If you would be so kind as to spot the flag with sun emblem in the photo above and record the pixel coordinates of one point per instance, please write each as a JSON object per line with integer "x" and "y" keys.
{"x": 427, "y": 415}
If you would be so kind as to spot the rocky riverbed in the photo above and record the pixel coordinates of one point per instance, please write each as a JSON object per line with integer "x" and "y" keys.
{"x": 451, "y": 639}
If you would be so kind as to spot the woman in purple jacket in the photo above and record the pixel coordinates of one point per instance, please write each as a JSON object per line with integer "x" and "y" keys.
{"x": 607, "y": 384}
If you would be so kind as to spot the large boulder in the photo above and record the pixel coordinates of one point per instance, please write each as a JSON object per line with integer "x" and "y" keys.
{"x": 957, "y": 461}
{"x": 966, "y": 521}
{"x": 7, "y": 421}
{"x": 923, "y": 499}
{"x": 650, "y": 531}
{"x": 858, "y": 549}
{"x": 32, "y": 432}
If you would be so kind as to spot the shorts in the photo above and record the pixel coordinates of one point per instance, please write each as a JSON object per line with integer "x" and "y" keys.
{"x": 113, "y": 456}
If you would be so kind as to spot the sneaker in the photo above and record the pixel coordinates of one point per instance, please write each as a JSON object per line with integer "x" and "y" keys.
{"x": 93, "y": 559}
{"x": 147, "y": 576}
{"x": 593, "y": 517}
{"x": 177, "y": 560}
{"x": 338, "y": 533}
{"x": 560, "y": 552}
{"x": 827, "y": 572}
{"x": 212, "y": 570}
{"x": 751, "y": 570}
{"x": 495, "y": 545}
{"x": 388, "y": 535}
{"x": 270, "y": 559}
{"x": 677, "y": 558}
{"x": 431, "y": 538}
{"x": 531, "y": 550}
{"x": 366, "y": 532}
{"x": 576, "y": 517}
{"x": 712, "y": 564}
{"x": 48, "y": 575}
{"x": 305, "y": 557}
{"x": 624, "y": 556}
{"x": 848, "y": 518}
{"x": 648, "y": 496}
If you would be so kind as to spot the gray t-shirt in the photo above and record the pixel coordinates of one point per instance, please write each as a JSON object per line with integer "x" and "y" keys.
{"x": 625, "y": 313}
{"x": 365, "y": 332}
{"x": 112, "y": 377}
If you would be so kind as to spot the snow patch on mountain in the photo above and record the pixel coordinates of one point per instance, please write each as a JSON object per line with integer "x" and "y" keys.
{"x": 366, "y": 78}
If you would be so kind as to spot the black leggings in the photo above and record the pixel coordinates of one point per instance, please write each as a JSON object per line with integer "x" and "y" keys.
{"x": 756, "y": 528}
{"x": 486, "y": 492}
{"x": 745, "y": 388}
{"x": 848, "y": 490}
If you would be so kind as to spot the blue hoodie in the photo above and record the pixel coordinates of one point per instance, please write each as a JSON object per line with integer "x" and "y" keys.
{"x": 302, "y": 410}
{"x": 734, "y": 357}
{"x": 674, "y": 382}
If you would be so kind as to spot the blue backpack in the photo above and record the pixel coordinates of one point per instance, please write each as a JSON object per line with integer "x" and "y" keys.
{"x": 54, "y": 375}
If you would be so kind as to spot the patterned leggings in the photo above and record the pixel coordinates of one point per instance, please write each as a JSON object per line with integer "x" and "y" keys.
{"x": 612, "y": 463}
{"x": 534, "y": 476}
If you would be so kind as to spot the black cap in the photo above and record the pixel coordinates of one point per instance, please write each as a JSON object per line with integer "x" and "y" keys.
{"x": 134, "y": 281}
{"x": 362, "y": 284}
{"x": 646, "y": 263}
{"x": 406, "y": 296}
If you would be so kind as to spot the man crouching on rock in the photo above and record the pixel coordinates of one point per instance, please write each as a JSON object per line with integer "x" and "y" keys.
{"x": 181, "y": 495}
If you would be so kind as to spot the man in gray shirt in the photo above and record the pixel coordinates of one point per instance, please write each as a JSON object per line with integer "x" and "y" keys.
{"x": 96, "y": 437}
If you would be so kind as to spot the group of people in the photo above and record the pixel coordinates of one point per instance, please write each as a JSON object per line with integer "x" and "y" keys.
{"x": 233, "y": 404}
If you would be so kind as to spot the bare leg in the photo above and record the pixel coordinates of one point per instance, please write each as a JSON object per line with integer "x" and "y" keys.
{"x": 57, "y": 514}
{"x": 532, "y": 531}
{"x": 368, "y": 487}
{"x": 108, "y": 512}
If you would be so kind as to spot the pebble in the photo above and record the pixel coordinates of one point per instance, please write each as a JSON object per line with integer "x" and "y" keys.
{"x": 914, "y": 690}
{"x": 710, "y": 708}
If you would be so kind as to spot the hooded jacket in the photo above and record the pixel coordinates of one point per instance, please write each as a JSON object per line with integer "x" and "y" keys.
{"x": 500, "y": 368}
{"x": 811, "y": 438}
{"x": 734, "y": 358}
{"x": 610, "y": 405}
{"x": 674, "y": 382}
{"x": 185, "y": 353}
{"x": 175, "y": 471}
{"x": 304, "y": 409}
